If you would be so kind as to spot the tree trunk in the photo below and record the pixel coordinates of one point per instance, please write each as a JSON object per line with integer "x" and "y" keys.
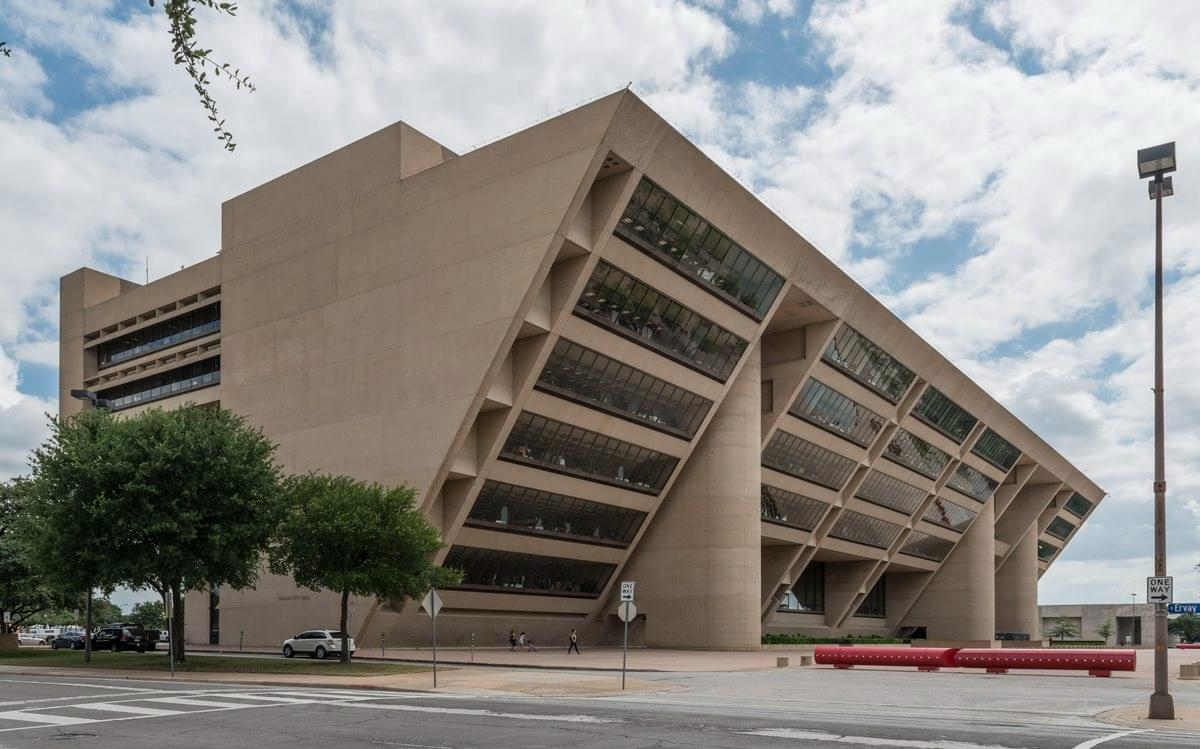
{"x": 87, "y": 628}
{"x": 177, "y": 646}
{"x": 345, "y": 635}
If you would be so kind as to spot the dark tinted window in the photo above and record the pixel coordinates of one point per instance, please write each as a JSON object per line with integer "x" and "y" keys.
{"x": 790, "y": 454}
{"x": 827, "y": 408}
{"x": 1077, "y": 505}
{"x": 926, "y": 546}
{"x": 185, "y": 327}
{"x": 1060, "y": 528}
{"x": 996, "y": 450}
{"x": 787, "y": 508}
{"x": 672, "y": 233}
{"x": 908, "y": 449}
{"x": 944, "y": 415}
{"x": 622, "y": 303}
{"x": 808, "y": 594}
{"x": 945, "y": 513}
{"x": 875, "y": 603}
{"x": 972, "y": 483}
{"x": 881, "y": 489}
{"x": 523, "y": 510}
{"x": 1046, "y": 551}
{"x": 528, "y": 573}
{"x": 851, "y": 352}
{"x": 156, "y": 387}
{"x": 864, "y": 529}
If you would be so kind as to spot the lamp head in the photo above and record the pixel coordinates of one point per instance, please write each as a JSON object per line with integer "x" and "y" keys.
{"x": 1156, "y": 160}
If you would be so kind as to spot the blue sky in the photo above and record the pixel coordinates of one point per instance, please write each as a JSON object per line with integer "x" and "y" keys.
{"x": 971, "y": 164}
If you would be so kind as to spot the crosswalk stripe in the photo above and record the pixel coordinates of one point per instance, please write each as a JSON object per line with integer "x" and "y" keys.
{"x": 272, "y": 698}
{"x": 330, "y": 696}
{"x": 116, "y": 707}
{"x": 43, "y": 718}
{"x": 197, "y": 702}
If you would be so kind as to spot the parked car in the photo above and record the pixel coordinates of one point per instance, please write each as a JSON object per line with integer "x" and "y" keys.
{"x": 118, "y": 637}
{"x": 68, "y": 640}
{"x": 25, "y": 638}
{"x": 316, "y": 643}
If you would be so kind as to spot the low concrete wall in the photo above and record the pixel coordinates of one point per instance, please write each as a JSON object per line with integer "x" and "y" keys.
{"x": 8, "y": 643}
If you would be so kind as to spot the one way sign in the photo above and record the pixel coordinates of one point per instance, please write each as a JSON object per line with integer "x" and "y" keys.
{"x": 1159, "y": 590}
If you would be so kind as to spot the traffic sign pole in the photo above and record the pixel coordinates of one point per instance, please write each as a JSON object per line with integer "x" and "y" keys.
{"x": 627, "y": 611}
{"x": 432, "y": 603}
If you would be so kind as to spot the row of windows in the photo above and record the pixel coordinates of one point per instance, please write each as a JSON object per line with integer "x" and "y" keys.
{"x": 579, "y": 373}
{"x": 944, "y": 415}
{"x": 808, "y": 594}
{"x": 827, "y": 408}
{"x": 524, "y": 510}
{"x": 881, "y": 489}
{"x": 619, "y": 301}
{"x": 1060, "y": 528}
{"x": 569, "y": 449}
{"x": 875, "y": 603}
{"x": 1046, "y": 551}
{"x": 803, "y": 459}
{"x": 864, "y": 529}
{"x": 671, "y": 232}
{"x": 926, "y": 546}
{"x": 947, "y": 514}
{"x": 996, "y": 450}
{"x": 156, "y": 387}
{"x": 908, "y": 449}
{"x": 1078, "y": 506}
{"x": 528, "y": 573}
{"x": 864, "y": 361}
{"x": 972, "y": 483}
{"x": 191, "y": 325}
{"x": 788, "y": 508}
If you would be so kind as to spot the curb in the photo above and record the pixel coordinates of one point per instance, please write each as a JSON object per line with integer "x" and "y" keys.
{"x": 466, "y": 664}
{"x": 216, "y": 679}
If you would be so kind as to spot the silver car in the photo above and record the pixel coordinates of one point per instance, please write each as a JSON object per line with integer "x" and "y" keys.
{"x": 316, "y": 643}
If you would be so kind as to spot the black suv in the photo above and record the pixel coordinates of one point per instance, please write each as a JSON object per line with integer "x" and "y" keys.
{"x": 118, "y": 637}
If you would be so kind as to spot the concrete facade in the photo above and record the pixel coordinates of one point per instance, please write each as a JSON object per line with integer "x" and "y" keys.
{"x": 1133, "y": 623}
{"x": 597, "y": 357}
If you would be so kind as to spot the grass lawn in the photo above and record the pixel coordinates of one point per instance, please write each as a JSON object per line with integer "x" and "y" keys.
{"x": 215, "y": 664}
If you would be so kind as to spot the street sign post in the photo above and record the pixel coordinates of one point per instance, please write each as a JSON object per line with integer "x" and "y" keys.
{"x": 432, "y": 603}
{"x": 627, "y": 590}
{"x": 1183, "y": 608}
{"x": 1159, "y": 590}
{"x": 627, "y": 611}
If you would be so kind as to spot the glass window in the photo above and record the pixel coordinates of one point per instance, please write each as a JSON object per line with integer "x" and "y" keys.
{"x": 808, "y": 594}
{"x": 864, "y": 529}
{"x": 155, "y": 387}
{"x": 792, "y": 455}
{"x": 523, "y": 510}
{"x": 908, "y": 449}
{"x": 827, "y": 408}
{"x": 947, "y": 514}
{"x": 593, "y": 379}
{"x": 996, "y": 450}
{"x": 851, "y": 352}
{"x": 881, "y": 489}
{"x": 875, "y": 603}
{"x": 185, "y": 327}
{"x": 972, "y": 483}
{"x": 618, "y": 301}
{"x": 698, "y": 250}
{"x": 926, "y": 546}
{"x": 1046, "y": 551}
{"x": 1077, "y": 505}
{"x": 787, "y": 508}
{"x": 509, "y": 571}
{"x": 568, "y": 449}
{"x": 1060, "y": 528}
{"x": 944, "y": 415}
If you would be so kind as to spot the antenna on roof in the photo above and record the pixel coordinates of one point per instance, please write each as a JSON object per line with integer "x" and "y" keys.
{"x": 147, "y": 269}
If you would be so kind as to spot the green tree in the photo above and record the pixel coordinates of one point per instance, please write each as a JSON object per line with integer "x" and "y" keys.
{"x": 196, "y": 60}
{"x": 24, "y": 592}
{"x": 197, "y": 502}
{"x": 1105, "y": 630}
{"x": 73, "y": 510}
{"x": 1063, "y": 628}
{"x": 1186, "y": 626}
{"x": 150, "y": 614}
{"x": 356, "y": 538}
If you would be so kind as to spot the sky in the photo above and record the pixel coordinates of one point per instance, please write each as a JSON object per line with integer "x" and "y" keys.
{"x": 971, "y": 164}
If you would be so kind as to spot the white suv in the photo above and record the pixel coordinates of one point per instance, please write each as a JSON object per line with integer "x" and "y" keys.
{"x": 317, "y": 643}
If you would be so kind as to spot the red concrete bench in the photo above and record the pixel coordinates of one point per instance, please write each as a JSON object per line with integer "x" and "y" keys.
{"x": 1095, "y": 662}
{"x": 925, "y": 659}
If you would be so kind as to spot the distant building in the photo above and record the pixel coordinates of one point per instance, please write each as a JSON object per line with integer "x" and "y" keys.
{"x": 1133, "y": 624}
{"x": 598, "y": 358}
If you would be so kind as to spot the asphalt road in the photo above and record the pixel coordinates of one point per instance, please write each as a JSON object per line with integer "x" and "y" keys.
{"x": 715, "y": 710}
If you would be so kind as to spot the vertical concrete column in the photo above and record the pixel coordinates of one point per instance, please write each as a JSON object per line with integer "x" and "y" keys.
{"x": 699, "y": 566}
{"x": 1016, "y": 590}
{"x": 960, "y": 602}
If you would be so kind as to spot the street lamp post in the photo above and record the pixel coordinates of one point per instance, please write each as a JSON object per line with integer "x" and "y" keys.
{"x": 1156, "y": 162}
{"x": 87, "y": 396}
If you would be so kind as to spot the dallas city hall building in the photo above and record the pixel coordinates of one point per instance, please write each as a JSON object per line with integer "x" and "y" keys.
{"x": 598, "y": 358}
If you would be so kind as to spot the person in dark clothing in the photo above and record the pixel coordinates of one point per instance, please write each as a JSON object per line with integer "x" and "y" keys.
{"x": 573, "y": 640}
{"x": 512, "y": 639}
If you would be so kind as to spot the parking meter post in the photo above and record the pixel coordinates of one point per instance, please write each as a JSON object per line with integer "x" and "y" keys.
{"x": 382, "y": 645}
{"x": 241, "y": 638}
{"x": 472, "y": 647}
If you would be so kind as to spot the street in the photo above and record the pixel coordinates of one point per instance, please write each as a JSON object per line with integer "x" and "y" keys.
{"x": 749, "y": 709}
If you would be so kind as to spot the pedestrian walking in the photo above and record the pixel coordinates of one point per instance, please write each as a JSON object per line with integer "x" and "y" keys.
{"x": 573, "y": 640}
{"x": 529, "y": 645}
{"x": 512, "y": 639}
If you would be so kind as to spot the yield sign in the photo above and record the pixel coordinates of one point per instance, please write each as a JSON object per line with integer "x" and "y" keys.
{"x": 432, "y": 603}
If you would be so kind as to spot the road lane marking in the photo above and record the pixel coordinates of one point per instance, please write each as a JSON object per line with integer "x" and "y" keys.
{"x": 1098, "y": 741}
{"x": 202, "y": 703}
{"x": 835, "y": 738}
{"x": 75, "y": 684}
{"x": 46, "y": 719}
{"x": 271, "y": 698}
{"x": 117, "y": 707}
{"x": 486, "y": 713}
{"x": 328, "y": 696}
